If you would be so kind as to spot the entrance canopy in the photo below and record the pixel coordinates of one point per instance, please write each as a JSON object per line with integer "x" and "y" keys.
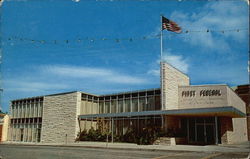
{"x": 227, "y": 111}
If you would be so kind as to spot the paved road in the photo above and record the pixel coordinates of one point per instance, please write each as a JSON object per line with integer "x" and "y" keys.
{"x": 52, "y": 152}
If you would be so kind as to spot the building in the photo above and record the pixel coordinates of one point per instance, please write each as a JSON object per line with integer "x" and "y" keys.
{"x": 244, "y": 92}
{"x": 4, "y": 122}
{"x": 203, "y": 114}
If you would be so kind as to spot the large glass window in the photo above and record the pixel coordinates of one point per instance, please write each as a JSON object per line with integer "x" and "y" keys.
{"x": 142, "y": 104}
{"x": 17, "y": 111}
{"x": 38, "y": 110}
{"x": 28, "y": 110}
{"x": 134, "y": 104}
{"x": 35, "y": 109}
{"x": 13, "y": 111}
{"x": 34, "y": 133}
{"x": 25, "y": 110}
{"x": 107, "y": 106}
{"x": 113, "y": 106}
{"x": 157, "y": 103}
{"x": 150, "y": 103}
{"x": 120, "y": 106}
{"x": 32, "y": 109}
{"x": 89, "y": 107}
{"x": 21, "y": 111}
{"x": 101, "y": 107}
{"x": 127, "y": 105}
{"x": 95, "y": 108}
{"x": 41, "y": 109}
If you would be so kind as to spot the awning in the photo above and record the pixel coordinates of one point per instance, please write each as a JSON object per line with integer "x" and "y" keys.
{"x": 227, "y": 111}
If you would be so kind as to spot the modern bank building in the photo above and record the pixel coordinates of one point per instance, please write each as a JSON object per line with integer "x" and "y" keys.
{"x": 196, "y": 114}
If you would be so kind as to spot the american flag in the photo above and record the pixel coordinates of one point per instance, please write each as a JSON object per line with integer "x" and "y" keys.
{"x": 170, "y": 25}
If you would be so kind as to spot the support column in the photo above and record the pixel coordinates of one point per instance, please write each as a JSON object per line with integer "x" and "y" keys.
{"x": 123, "y": 103}
{"x": 195, "y": 129}
{"x": 131, "y": 104}
{"x": 162, "y": 122}
{"x": 112, "y": 130}
{"x": 79, "y": 124}
{"x": 32, "y": 131}
{"x": 138, "y": 102}
{"x": 188, "y": 130}
{"x": 205, "y": 131}
{"x": 91, "y": 123}
{"x": 123, "y": 126}
{"x": 216, "y": 130}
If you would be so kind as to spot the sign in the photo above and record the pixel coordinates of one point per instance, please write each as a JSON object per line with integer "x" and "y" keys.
{"x": 202, "y": 96}
{"x": 202, "y": 93}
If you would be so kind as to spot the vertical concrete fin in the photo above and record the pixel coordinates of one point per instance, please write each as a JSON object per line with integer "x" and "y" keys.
{"x": 171, "y": 78}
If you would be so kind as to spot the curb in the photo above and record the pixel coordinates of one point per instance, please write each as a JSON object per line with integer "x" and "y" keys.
{"x": 99, "y": 147}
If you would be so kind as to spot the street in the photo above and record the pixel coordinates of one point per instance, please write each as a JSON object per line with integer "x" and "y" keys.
{"x": 59, "y": 152}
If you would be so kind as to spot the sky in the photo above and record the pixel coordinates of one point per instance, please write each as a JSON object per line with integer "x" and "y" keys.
{"x": 110, "y": 46}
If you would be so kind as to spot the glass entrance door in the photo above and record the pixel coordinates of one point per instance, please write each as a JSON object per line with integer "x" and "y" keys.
{"x": 210, "y": 134}
{"x": 201, "y": 130}
{"x": 21, "y": 134}
{"x": 200, "y": 134}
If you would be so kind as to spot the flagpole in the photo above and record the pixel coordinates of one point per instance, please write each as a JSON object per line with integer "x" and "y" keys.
{"x": 161, "y": 70}
{"x": 161, "y": 38}
{"x": 161, "y": 34}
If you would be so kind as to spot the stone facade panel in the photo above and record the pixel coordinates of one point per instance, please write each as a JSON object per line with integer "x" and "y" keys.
{"x": 171, "y": 79}
{"x": 60, "y": 123}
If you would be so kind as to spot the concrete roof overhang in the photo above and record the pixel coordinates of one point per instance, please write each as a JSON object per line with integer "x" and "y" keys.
{"x": 227, "y": 111}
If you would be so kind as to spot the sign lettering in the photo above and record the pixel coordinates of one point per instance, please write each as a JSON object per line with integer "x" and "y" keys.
{"x": 203, "y": 93}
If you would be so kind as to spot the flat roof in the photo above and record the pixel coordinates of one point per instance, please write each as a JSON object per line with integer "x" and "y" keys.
{"x": 134, "y": 91}
{"x": 227, "y": 111}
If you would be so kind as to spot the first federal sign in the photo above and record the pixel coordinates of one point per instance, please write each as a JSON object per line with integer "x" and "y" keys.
{"x": 202, "y": 93}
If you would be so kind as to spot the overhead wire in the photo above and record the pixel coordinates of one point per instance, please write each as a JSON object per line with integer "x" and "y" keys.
{"x": 115, "y": 40}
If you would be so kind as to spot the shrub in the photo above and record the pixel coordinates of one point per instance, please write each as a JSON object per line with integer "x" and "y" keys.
{"x": 93, "y": 135}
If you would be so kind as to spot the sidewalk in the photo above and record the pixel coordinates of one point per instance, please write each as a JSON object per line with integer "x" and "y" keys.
{"x": 242, "y": 147}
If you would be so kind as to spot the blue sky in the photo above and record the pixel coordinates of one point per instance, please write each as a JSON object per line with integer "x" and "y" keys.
{"x": 113, "y": 45}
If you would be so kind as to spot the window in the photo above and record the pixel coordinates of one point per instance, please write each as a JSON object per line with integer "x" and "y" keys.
{"x": 127, "y": 105}
{"x": 150, "y": 103}
{"x": 142, "y": 104}
{"x": 101, "y": 107}
{"x": 134, "y": 104}
{"x": 107, "y": 107}
{"x": 113, "y": 106}
{"x": 120, "y": 106}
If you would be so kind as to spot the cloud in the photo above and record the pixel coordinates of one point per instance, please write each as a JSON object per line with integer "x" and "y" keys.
{"x": 223, "y": 74}
{"x": 97, "y": 74}
{"x": 178, "y": 61}
{"x": 220, "y": 16}
{"x": 154, "y": 72}
{"x": 21, "y": 85}
{"x": 49, "y": 79}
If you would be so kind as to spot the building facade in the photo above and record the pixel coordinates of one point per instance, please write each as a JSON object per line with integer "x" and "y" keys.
{"x": 204, "y": 114}
{"x": 26, "y": 119}
{"x": 4, "y": 123}
{"x": 244, "y": 93}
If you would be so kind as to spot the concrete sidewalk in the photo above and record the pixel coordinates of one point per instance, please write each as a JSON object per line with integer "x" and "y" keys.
{"x": 241, "y": 147}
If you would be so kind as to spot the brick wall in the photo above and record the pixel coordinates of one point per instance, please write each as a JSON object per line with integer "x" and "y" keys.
{"x": 171, "y": 123}
{"x": 1, "y": 129}
{"x": 244, "y": 93}
{"x": 226, "y": 125}
{"x": 233, "y": 130}
{"x": 60, "y": 123}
